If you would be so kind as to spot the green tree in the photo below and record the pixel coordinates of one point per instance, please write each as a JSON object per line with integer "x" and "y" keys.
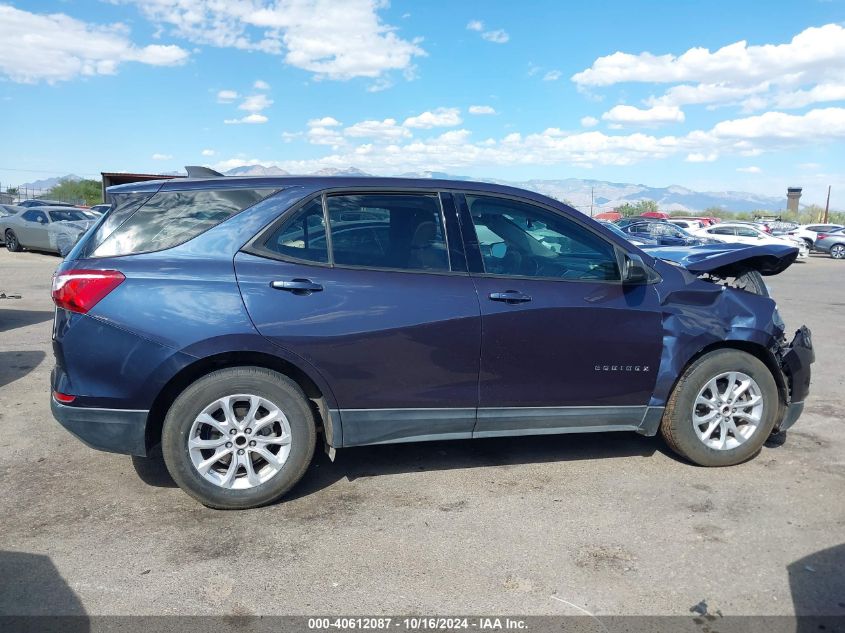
{"x": 77, "y": 191}
{"x": 12, "y": 191}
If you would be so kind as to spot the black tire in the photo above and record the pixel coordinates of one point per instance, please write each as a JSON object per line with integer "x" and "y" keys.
{"x": 276, "y": 388}
{"x": 12, "y": 243}
{"x": 677, "y": 426}
{"x": 837, "y": 251}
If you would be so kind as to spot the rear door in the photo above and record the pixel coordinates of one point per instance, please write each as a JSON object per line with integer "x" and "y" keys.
{"x": 372, "y": 289}
{"x": 565, "y": 345}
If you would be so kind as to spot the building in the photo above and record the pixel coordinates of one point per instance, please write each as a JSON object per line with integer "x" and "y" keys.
{"x": 122, "y": 178}
{"x": 793, "y": 195}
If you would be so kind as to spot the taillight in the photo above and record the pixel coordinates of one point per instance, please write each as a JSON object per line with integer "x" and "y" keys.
{"x": 81, "y": 290}
{"x": 821, "y": 236}
{"x": 64, "y": 398}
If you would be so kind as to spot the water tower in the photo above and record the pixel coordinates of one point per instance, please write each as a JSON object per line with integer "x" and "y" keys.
{"x": 793, "y": 195}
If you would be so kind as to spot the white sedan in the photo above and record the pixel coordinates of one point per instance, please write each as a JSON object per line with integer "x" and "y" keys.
{"x": 737, "y": 233}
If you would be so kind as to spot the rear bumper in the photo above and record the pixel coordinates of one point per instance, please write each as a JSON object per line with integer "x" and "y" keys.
{"x": 113, "y": 430}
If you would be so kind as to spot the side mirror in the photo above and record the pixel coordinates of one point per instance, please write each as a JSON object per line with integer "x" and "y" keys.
{"x": 634, "y": 270}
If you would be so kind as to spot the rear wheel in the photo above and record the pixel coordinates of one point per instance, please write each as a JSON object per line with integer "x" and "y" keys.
{"x": 12, "y": 243}
{"x": 239, "y": 438}
{"x": 837, "y": 251}
{"x": 722, "y": 409}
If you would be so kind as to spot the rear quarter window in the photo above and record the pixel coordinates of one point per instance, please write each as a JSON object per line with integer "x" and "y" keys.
{"x": 170, "y": 218}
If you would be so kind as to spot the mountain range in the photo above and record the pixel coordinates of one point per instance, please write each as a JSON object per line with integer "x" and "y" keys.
{"x": 578, "y": 192}
{"x": 583, "y": 194}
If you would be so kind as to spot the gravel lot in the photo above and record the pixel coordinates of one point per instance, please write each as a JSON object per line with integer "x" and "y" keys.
{"x": 610, "y": 523}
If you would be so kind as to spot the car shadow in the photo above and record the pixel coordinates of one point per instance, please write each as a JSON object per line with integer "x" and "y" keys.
{"x": 391, "y": 459}
{"x": 817, "y": 583}
{"x": 15, "y": 365}
{"x": 35, "y": 597}
{"x": 11, "y": 319}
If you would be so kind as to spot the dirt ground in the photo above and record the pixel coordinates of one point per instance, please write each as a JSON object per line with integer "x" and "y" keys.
{"x": 610, "y": 523}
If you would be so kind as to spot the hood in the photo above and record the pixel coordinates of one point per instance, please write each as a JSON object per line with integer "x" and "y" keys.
{"x": 728, "y": 260}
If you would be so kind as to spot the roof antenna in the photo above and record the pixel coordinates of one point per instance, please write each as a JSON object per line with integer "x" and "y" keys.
{"x": 197, "y": 171}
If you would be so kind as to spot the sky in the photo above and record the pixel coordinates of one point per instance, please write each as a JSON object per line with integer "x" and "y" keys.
{"x": 714, "y": 95}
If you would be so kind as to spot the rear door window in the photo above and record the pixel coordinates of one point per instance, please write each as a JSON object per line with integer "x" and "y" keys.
{"x": 303, "y": 237}
{"x": 171, "y": 218}
{"x": 390, "y": 231}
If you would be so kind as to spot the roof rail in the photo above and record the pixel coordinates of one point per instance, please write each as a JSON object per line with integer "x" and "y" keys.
{"x": 198, "y": 171}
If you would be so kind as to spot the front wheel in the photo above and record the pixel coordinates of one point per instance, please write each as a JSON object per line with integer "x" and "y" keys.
{"x": 12, "y": 243}
{"x": 837, "y": 251}
{"x": 722, "y": 409}
{"x": 239, "y": 438}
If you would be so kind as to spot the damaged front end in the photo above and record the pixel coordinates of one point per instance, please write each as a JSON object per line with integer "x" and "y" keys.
{"x": 722, "y": 299}
{"x": 795, "y": 360}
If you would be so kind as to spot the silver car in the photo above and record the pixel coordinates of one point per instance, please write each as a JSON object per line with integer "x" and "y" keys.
{"x": 832, "y": 242}
{"x": 54, "y": 229}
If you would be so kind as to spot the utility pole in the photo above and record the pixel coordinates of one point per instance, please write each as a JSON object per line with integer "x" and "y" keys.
{"x": 827, "y": 205}
{"x": 592, "y": 190}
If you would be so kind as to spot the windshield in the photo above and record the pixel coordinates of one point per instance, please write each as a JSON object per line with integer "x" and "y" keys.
{"x": 67, "y": 216}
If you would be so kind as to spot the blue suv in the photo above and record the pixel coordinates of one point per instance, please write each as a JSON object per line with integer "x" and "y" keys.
{"x": 234, "y": 321}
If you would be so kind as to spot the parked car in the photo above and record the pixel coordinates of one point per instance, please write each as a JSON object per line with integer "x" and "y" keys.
{"x": 233, "y": 324}
{"x": 746, "y": 233}
{"x": 705, "y": 220}
{"x": 832, "y": 242}
{"x": 808, "y": 232}
{"x": 636, "y": 241}
{"x": 782, "y": 227}
{"x": 663, "y": 233}
{"x": 7, "y": 210}
{"x": 687, "y": 225}
{"x": 37, "y": 202}
{"x": 54, "y": 229}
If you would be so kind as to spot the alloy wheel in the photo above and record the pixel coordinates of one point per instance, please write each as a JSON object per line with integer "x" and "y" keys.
{"x": 239, "y": 441}
{"x": 728, "y": 410}
{"x": 837, "y": 251}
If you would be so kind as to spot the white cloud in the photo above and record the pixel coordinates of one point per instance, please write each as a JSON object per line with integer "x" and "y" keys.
{"x": 700, "y": 157}
{"x": 441, "y": 117}
{"x": 630, "y": 115}
{"x": 387, "y": 130}
{"x": 208, "y": 152}
{"x": 261, "y": 85}
{"x": 589, "y": 121}
{"x": 499, "y": 36}
{"x": 227, "y": 96}
{"x": 806, "y": 70}
{"x": 817, "y": 94}
{"x": 326, "y": 121}
{"x": 250, "y": 118}
{"x": 475, "y": 25}
{"x": 752, "y": 169}
{"x": 394, "y": 151}
{"x": 813, "y": 50}
{"x": 333, "y": 40}
{"x": 162, "y": 156}
{"x": 552, "y": 75}
{"x": 55, "y": 47}
{"x": 481, "y": 109}
{"x": 256, "y": 103}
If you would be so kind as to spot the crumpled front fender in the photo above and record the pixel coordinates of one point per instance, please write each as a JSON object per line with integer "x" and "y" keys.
{"x": 698, "y": 314}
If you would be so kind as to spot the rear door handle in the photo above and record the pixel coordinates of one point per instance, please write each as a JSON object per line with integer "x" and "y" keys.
{"x": 297, "y": 286}
{"x": 509, "y": 296}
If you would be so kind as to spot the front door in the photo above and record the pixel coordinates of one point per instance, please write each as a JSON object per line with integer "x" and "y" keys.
{"x": 379, "y": 305}
{"x": 565, "y": 345}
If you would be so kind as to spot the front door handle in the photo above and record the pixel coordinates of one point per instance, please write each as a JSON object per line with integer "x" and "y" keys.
{"x": 509, "y": 296}
{"x": 297, "y": 286}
